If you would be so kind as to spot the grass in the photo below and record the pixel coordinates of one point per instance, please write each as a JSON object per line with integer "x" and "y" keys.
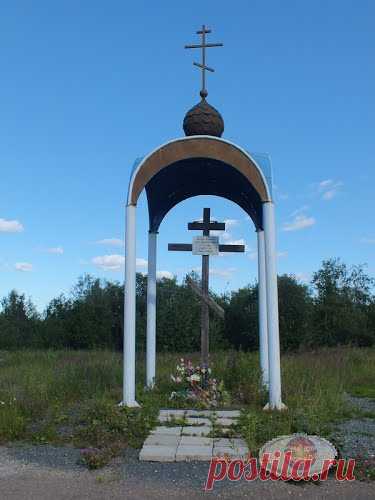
{"x": 70, "y": 397}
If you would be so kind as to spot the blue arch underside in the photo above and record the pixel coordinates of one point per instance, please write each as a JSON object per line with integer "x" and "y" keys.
{"x": 204, "y": 176}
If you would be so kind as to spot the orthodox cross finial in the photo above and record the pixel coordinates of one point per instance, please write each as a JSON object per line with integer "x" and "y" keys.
{"x": 203, "y": 32}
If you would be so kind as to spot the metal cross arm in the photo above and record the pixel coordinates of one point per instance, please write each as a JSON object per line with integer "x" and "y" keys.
{"x": 201, "y": 226}
{"x": 206, "y": 225}
{"x": 180, "y": 247}
{"x": 188, "y": 247}
{"x": 207, "y": 68}
{"x": 207, "y": 45}
{"x": 231, "y": 248}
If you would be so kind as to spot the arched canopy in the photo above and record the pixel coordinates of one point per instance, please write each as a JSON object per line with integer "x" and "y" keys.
{"x": 199, "y": 165}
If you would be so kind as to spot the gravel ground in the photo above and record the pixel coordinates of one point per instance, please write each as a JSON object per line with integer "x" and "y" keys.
{"x": 47, "y": 472}
{"x": 53, "y": 473}
{"x": 364, "y": 404}
{"x": 357, "y": 436}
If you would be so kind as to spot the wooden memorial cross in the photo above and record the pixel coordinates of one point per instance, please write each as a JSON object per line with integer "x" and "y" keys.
{"x": 205, "y": 246}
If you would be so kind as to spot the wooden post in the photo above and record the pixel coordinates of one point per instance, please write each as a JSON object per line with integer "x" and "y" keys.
{"x": 205, "y": 317}
{"x": 206, "y": 225}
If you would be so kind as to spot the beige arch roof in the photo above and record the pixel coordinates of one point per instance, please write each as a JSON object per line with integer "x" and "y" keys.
{"x": 197, "y": 147}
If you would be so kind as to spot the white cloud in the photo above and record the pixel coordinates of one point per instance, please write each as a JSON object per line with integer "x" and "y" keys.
{"x": 109, "y": 262}
{"x": 329, "y": 188}
{"x": 114, "y": 262}
{"x": 299, "y": 211}
{"x": 223, "y": 273}
{"x": 325, "y": 184}
{"x": 55, "y": 250}
{"x": 240, "y": 241}
{"x": 112, "y": 242}
{"x": 226, "y": 236}
{"x": 221, "y": 234}
{"x": 164, "y": 274}
{"x": 230, "y": 223}
{"x": 304, "y": 277}
{"x": 369, "y": 241}
{"x": 10, "y": 226}
{"x": 23, "y": 266}
{"x": 299, "y": 222}
{"x": 328, "y": 195}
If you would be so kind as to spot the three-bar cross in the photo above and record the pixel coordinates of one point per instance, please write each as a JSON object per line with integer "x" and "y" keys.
{"x": 203, "y": 45}
{"x": 206, "y": 225}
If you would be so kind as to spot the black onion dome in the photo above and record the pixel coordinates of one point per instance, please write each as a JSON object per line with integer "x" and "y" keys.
{"x": 203, "y": 119}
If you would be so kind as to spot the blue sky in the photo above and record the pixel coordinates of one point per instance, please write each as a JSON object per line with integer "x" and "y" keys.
{"x": 87, "y": 87}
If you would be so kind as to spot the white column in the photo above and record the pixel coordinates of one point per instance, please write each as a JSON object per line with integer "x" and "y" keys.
{"x": 272, "y": 308}
{"x": 262, "y": 308}
{"x": 151, "y": 310}
{"x": 129, "y": 309}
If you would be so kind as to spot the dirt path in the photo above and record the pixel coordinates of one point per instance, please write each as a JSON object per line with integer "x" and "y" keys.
{"x": 50, "y": 473}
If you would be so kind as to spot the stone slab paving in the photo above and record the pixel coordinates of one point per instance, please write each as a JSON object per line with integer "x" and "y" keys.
{"x": 192, "y": 437}
{"x": 234, "y": 448}
{"x": 171, "y": 431}
{"x": 198, "y": 421}
{"x": 225, "y": 421}
{"x": 162, "y": 440}
{"x": 193, "y": 452}
{"x": 198, "y": 413}
{"x": 175, "y": 413}
{"x": 196, "y": 441}
{"x": 191, "y": 430}
{"x": 158, "y": 453}
{"x": 228, "y": 413}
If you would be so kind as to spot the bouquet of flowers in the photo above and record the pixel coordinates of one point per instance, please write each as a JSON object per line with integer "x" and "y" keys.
{"x": 195, "y": 384}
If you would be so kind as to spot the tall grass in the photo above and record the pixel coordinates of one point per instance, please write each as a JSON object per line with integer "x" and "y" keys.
{"x": 72, "y": 396}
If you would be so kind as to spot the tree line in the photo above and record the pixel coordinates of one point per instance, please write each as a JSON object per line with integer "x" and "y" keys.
{"x": 336, "y": 308}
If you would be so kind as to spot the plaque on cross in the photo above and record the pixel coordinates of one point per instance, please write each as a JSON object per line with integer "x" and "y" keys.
{"x": 205, "y": 246}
